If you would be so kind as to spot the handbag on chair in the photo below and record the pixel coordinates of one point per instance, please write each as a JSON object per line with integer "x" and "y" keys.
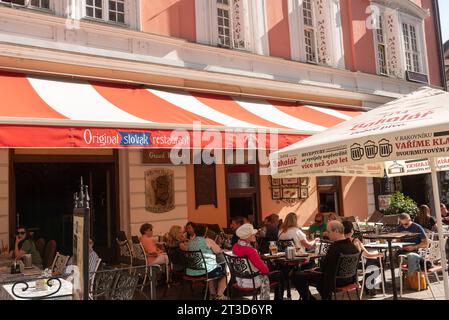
{"x": 412, "y": 280}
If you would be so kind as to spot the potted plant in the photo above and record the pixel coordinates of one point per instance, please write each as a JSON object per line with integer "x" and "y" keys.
{"x": 400, "y": 203}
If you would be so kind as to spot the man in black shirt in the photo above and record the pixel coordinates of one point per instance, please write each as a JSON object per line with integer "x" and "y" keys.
{"x": 323, "y": 278}
{"x": 270, "y": 232}
{"x": 236, "y": 222}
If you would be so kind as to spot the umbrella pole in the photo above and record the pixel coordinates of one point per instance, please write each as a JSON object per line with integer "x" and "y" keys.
{"x": 436, "y": 199}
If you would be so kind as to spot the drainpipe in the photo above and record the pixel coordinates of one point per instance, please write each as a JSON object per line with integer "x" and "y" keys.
{"x": 436, "y": 10}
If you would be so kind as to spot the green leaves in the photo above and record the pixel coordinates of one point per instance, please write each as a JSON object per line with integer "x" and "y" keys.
{"x": 400, "y": 203}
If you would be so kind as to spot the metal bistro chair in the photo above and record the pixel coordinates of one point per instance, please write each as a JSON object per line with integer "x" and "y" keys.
{"x": 364, "y": 270}
{"x": 139, "y": 258}
{"x": 347, "y": 266}
{"x": 59, "y": 264}
{"x": 114, "y": 284}
{"x": 288, "y": 265}
{"x": 431, "y": 255}
{"x": 194, "y": 260}
{"x": 241, "y": 268}
{"x": 125, "y": 257}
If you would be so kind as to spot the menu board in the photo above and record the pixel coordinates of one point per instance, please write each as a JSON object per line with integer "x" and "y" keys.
{"x": 81, "y": 252}
{"x": 205, "y": 185}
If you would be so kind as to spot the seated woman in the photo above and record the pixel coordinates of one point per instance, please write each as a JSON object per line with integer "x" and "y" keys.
{"x": 24, "y": 245}
{"x": 290, "y": 231}
{"x": 154, "y": 254}
{"x": 370, "y": 255}
{"x": 209, "y": 249}
{"x": 424, "y": 219}
{"x": 246, "y": 234}
{"x": 175, "y": 240}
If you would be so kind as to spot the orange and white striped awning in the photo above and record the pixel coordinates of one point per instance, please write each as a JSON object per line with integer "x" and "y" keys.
{"x": 45, "y": 112}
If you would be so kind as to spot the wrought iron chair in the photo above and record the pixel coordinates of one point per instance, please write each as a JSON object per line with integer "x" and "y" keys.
{"x": 347, "y": 266}
{"x": 139, "y": 258}
{"x": 432, "y": 256}
{"x": 284, "y": 244}
{"x": 114, "y": 284}
{"x": 364, "y": 271}
{"x": 59, "y": 264}
{"x": 288, "y": 266}
{"x": 125, "y": 257}
{"x": 194, "y": 260}
{"x": 241, "y": 268}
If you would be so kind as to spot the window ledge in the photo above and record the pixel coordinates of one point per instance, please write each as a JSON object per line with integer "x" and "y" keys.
{"x": 406, "y": 6}
{"x": 109, "y": 23}
{"x": 26, "y": 8}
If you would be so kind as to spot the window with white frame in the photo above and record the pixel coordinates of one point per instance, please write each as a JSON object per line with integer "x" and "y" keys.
{"x": 412, "y": 54}
{"x": 381, "y": 46}
{"x": 310, "y": 38}
{"x": 106, "y": 10}
{"x": 230, "y": 25}
{"x": 41, "y": 4}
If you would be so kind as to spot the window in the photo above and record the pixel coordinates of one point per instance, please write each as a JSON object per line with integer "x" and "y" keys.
{"x": 381, "y": 47}
{"x": 42, "y": 4}
{"x": 111, "y": 10}
{"x": 230, "y": 24}
{"x": 412, "y": 55}
{"x": 309, "y": 30}
{"x": 45, "y": 4}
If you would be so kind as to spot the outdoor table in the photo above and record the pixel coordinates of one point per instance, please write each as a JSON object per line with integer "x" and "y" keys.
{"x": 64, "y": 293}
{"x": 389, "y": 237}
{"x": 299, "y": 260}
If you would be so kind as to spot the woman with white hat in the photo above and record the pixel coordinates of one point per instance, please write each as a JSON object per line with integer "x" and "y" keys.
{"x": 246, "y": 234}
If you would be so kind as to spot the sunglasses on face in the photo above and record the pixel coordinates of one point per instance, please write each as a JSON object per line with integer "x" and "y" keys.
{"x": 318, "y": 221}
{"x": 21, "y": 232}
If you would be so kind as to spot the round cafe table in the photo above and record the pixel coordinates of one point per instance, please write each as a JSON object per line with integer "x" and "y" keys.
{"x": 389, "y": 237}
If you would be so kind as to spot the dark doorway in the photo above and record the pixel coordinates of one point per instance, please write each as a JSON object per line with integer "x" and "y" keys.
{"x": 415, "y": 187}
{"x": 242, "y": 182}
{"x": 44, "y": 202}
{"x": 243, "y": 206}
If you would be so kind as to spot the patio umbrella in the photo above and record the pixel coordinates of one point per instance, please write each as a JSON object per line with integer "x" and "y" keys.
{"x": 411, "y": 129}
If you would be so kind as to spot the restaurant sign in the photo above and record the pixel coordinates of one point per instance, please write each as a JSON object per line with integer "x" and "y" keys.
{"x": 156, "y": 156}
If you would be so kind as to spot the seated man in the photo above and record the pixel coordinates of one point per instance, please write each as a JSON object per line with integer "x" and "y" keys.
{"x": 323, "y": 278}
{"x": 236, "y": 222}
{"x": 317, "y": 229}
{"x": 269, "y": 232}
{"x": 419, "y": 240}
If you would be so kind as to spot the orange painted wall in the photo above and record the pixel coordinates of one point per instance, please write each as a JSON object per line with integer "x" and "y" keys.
{"x": 207, "y": 213}
{"x": 174, "y": 18}
{"x": 432, "y": 45}
{"x": 278, "y": 30}
{"x": 346, "y": 13}
{"x": 355, "y": 197}
{"x": 358, "y": 40}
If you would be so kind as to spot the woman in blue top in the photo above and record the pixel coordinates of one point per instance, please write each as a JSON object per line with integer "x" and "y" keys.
{"x": 209, "y": 249}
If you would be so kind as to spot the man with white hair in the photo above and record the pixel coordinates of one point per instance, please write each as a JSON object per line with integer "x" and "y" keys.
{"x": 323, "y": 277}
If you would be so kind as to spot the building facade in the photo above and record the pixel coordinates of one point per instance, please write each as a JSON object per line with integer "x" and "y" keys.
{"x": 336, "y": 55}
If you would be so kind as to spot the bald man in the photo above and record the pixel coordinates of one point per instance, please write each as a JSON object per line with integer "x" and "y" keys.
{"x": 323, "y": 277}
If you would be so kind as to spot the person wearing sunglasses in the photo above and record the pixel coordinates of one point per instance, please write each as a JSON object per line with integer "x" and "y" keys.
{"x": 318, "y": 229}
{"x": 24, "y": 245}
